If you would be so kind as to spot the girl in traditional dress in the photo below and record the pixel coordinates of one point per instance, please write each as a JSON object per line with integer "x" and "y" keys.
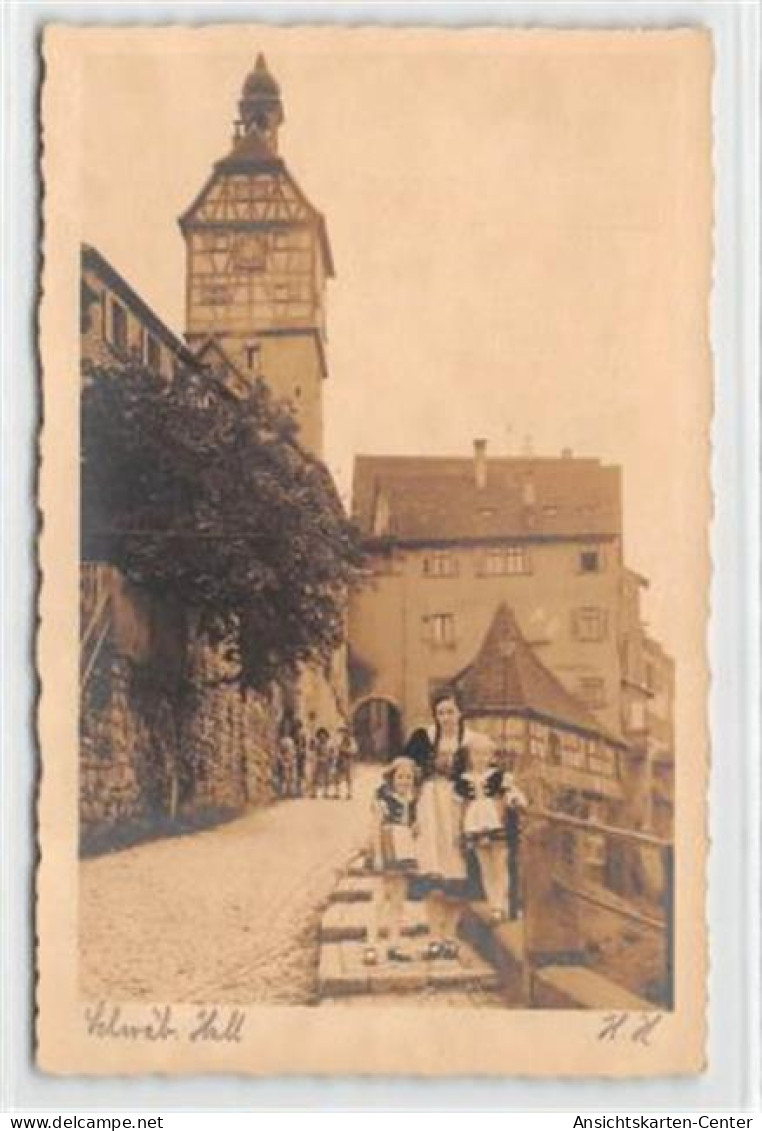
{"x": 439, "y": 753}
{"x": 486, "y": 792}
{"x": 394, "y": 852}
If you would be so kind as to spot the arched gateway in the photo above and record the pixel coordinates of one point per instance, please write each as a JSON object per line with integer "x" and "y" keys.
{"x": 377, "y": 724}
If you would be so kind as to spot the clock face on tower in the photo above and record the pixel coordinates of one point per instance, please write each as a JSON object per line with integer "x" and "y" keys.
{"x": 248, "y": 252}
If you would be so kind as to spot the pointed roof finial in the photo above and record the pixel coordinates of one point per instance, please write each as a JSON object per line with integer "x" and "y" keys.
{"x": 260, "y": 106}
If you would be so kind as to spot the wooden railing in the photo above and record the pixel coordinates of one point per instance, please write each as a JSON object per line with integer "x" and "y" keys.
{"x": 556, "y": 884}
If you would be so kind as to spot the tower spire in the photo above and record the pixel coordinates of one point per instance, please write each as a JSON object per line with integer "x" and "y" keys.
{"x": 260, "y": 106}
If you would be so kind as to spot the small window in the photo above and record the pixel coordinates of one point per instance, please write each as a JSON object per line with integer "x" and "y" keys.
{"x": 440, "y": 630}
{"x": 590, "y": 561}
{"x": 253, "y": 353}
{"x": 440, "y": 564}
{"x": 554, "y": 749}
{"x": 573, "y": 753}
{"x": 589, "y": 624}
{"x": 603, "y": 762}
{"x": 118, "y": 325}
{"x": 152, "y": 353}
{"x": 528, "y": 493}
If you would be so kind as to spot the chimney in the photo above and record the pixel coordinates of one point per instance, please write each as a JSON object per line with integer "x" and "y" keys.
{"x": 480, "y": 463}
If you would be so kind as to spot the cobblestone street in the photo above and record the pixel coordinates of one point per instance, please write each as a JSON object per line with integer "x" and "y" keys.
{"x": 226, "y": 915}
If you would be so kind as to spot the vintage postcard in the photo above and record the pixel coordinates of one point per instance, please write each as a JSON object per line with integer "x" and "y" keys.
{"x": 375, "y": 493}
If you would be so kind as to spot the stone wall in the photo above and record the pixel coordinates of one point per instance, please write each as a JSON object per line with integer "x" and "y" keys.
{"x": 152, "y": 762}
{"x": 230, "y": 737}
{"x": 110, "y": 745}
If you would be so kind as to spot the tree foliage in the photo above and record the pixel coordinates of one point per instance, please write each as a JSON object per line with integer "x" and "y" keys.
{"x": 209, "y": 501}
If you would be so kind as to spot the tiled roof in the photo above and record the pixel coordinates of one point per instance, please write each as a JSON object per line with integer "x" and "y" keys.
{"x": 251, "y": 153}
{"x": 430, "y": 499}
{"x": 507, "y": 676}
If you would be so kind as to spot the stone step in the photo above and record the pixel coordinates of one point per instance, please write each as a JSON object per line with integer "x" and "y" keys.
{"x": 579, "y": 987}
{"x": 353, "y": 889}
{"x": 354, "y": 921}
{"x": 342, "y": 971}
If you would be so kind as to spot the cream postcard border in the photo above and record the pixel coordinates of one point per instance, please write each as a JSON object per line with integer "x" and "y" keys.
{"x": 306, "y": 1040}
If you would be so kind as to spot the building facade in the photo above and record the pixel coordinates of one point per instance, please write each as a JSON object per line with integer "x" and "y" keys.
{"x": 450, "y": 540}
{"x": 117, "y": 327}
{"x": 647, "y": 712}
{"x": 563, "y": 757}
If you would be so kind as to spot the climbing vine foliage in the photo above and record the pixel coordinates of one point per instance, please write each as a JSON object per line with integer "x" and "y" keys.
{"x": 208, "y": 501}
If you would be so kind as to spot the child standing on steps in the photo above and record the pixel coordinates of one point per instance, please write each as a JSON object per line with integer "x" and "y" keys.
{"x": 394, "y": 852}
{"x": 486, "y": 792}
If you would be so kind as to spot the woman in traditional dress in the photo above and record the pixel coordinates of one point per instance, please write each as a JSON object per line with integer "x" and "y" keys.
{"x": 442, "y": 880}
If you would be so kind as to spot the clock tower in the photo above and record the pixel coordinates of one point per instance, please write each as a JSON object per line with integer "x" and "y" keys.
{"x": 258, "y": 258}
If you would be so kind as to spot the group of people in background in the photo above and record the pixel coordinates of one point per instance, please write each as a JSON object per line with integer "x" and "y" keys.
{"x": 316, "y": 763}
{"x": 445, "y": 821}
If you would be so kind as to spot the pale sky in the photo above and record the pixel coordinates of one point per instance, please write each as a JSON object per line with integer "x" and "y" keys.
{"x": 519, "y": 230}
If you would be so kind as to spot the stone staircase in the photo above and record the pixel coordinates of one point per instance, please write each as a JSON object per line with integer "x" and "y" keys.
{"x": 347, "y": 925}
{"x": 492, "y": 966}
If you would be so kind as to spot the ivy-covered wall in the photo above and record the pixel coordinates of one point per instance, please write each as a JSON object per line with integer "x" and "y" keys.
{"x": 160, "y": 752}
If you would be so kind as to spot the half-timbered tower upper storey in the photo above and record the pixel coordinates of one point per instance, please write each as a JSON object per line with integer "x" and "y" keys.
{"x": 258, "y": 258}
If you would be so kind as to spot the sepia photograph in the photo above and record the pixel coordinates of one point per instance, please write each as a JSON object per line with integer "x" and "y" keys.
{"x": 387, "y": 388}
